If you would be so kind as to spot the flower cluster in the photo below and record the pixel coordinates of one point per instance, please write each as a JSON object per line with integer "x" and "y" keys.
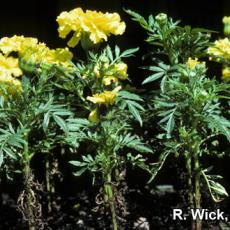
{"x": 96, "y": 25}
{"x": 111, "y": 73}
{"x": 220, "y": 50}
{"x": 31, "y": 50}
{"x": 192, "y": 63}
{"x": 105, "y": 98}
{"x": 9, "y": 69}
{"x": 107, "y": 76}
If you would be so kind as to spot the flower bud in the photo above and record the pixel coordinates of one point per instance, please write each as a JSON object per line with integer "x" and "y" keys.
{"x": 161, "y": 18}
{"x": 226, "y": 21}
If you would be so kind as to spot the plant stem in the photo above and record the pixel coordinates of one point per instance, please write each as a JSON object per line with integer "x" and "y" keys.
{"x": 48, "y": 186}
{"x": 190, "y": 186}
{"x": 189, "y": 181}
{"x": 110, "y": 199}
{"x": 27, "y": 180}
{"x": 29, "y": 211}
{"x": 198, "y": 222}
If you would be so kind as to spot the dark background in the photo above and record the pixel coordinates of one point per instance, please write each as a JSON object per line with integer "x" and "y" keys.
{"x": 37, "y": 18}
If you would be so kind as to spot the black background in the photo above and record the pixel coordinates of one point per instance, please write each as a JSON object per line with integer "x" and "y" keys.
{"x": 37, "y": 17}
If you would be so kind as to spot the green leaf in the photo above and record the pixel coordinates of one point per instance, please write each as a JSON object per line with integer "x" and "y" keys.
{"x": 80, "y": 172}
{"x": 109, "y": 53}
{"x": 170, "y": 124}
{"x": 128, "y": 95}
{"x": 157, "y": 166}
{"x": 219, "y": 123}
{"x": 117, "y": 51}
{"x": 10, "y": 153}
{"x": 46, "y": 120}
{"x": 137, "y": 17}
{"x": 61, "y": 123}
{"x": 129, "y": 52}
{"x": 77, "y": 163}
{"x": 153, "y": 77}
{"x": 135, "y": 113}
{"x": 137, "y": 105}
{"x": 1, "y": 158}
{"x": 216, "y": 190}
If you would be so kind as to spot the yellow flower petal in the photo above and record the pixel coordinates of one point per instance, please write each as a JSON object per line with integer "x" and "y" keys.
{"x": 33, "y": 51}
{"x": 220, "y": 49}
{"x": 121, "y": 70}
{"x": 109, "y": 80}
{"x": 192, "y": 63}
{"x": 107, "y": 98}
{"x": 226, "y": 73}
{"x": 93, "y": 116}
{"x": 97, "y": 25}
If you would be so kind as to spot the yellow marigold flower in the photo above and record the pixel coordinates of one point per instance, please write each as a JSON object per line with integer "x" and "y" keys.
{"x": 11, "y": 84}
{"x": 225, "y": 73}
{"x": 33, "y": 51}
{"x": 9, "y": 66}
{"x": 97, "y": 25}
{"x": 193, "y": 62}
{"x": 16, "y": 44}
{"x": 107, "y": 98}
{"x": 42, "y": 54}
{"x": 221, "y": 48}
{"x": 93, "y": 116}
{"x": 59, "y": 56}
{"x": 121, "y": 70}
{"x": 108, "y": 80}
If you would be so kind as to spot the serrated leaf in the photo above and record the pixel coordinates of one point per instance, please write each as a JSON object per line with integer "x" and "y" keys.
{"x": 137, "y": 105}
{"x": 129, "y": 52}
{"x": 135, "y": 113}
{"x": 61, "y": 123}
{"x": 219, "y": 123}
{"x": 10, "y": 153}
{"x": 153, "y": 77}
{"x": 128, "y": 95}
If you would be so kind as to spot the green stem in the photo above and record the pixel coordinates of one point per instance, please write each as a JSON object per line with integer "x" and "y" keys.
{"x": 198, "y": 222}
{"x": 27, "y": 178}
{"x": 29, "y": 211}
{"x": 189, "y": 181}
{"x": 109, "y": 197}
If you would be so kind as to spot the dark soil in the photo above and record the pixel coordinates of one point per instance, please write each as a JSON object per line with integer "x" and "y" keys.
{"x": 144, "y": 207}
